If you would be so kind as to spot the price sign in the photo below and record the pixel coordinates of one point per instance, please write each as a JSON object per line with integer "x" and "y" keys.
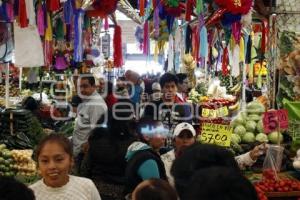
{"x": 205, "y": 112}
{"x": 283, "y": 118}
{"x": 223, "y": 111}
{"x": 216, "y": 134}
{"x": 212, "y": 113}
{"x": 275, "y": 119}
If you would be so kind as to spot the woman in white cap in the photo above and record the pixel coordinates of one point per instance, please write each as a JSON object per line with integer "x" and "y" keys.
{"x": 185, "y": 135}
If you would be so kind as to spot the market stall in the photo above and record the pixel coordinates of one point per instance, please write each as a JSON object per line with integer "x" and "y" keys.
{"x": 244, "y": 79}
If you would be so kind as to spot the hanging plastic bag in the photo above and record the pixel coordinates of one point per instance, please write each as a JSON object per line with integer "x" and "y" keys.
{"x": 28, "y": 47}
{"x": 272, "y": 162}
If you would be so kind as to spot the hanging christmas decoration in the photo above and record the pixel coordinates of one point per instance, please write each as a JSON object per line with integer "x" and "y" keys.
{"x": 215, "y": 17}
{"x": 236, "y": 29}
{"x": 22, "y": 14}
{"x": 117, "y": 42}
{"x": 78, "y": 26}
{"x": 102, "y": 8}
{"x": 68, "y": 11}
{"x": 41, "y": 20}
{"x": 142, "y": 7}
{"x": 53, "y": 5}
{"x": 235, "y": 6}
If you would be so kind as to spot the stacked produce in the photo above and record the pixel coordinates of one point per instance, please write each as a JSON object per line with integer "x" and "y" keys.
{"x": 271, "y": 183}
{"x": 228, "y": 81}
{"x": 24, "y": 165}
{"x": 13, "y": 91}
{"x": 6, "y": 161}
{"x": 20, "y": 129}
{"x": 248, "y": 126}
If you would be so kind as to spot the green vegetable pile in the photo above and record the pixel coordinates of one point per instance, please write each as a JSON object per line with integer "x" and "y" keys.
{"x": 248, "y": 126}
{"x": 20, "y": 129}
{"x": 6, "y": 161}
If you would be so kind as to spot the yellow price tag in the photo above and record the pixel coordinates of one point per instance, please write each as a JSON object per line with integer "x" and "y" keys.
{"x": 211, "y": 113}
{"x": 223, "y": 111}
{"x": 205, "y": 112}
{"x": 216, "y": 134}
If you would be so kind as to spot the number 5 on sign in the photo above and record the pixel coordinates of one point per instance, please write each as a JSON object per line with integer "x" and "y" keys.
{"x": 275, "y": 119}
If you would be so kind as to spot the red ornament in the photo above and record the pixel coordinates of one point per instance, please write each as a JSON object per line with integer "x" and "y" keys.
{"x": 235, "y": 6}
{"x": 102, "y": 8}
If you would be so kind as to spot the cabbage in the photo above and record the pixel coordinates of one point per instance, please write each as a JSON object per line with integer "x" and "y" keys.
{"x": 273, "y": 137}
{"x": 260, "y": 126}
{"x": 250, "y": 126}
{"x": 240, "y": 130}
{"x": 237, "y": 121}
{"x": 254, "y": 117}
{"x": 248, "y": 137}
{"x": 261, "y": 137}
{"x": 235, "y": 138}
{"x": 255, "y": 107}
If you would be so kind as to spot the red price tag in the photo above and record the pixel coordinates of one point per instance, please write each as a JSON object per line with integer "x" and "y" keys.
{"x": 283, "y": 118}
{"x": 273, "y": 120}
{"x": 270, "y": 121}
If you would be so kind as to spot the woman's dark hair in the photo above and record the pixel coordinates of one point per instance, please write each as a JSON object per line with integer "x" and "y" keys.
{"x": 11, "y": 189}
{"x": 54, "y": 138}
{"x": 181, "y": 77}
{"x": 155, "y": 189}
{"x": 219, "y": 183}
{"x": 199, "y": 156}
{"x": 167, "y": 78}
{"x": 30, "y": 104}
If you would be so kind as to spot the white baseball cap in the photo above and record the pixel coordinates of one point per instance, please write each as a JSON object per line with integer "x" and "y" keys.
{"x": 156, "y": 86}
{"x": 184, "y": 126}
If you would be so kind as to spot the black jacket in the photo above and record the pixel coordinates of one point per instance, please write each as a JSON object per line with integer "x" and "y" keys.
{"x": 132, "y": 178}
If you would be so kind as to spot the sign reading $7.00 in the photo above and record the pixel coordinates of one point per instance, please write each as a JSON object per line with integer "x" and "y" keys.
{"x": 216, "y": 134}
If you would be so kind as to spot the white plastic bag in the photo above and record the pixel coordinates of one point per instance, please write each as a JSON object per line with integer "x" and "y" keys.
{"x": 28, "y": 47}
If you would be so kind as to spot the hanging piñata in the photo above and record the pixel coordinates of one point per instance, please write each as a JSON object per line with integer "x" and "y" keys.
{"x": 102, "y": 8}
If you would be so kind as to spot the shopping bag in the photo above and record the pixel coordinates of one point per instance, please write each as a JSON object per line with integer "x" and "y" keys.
{"x": 28, "y": 47}
{"x": 272, "y": 162}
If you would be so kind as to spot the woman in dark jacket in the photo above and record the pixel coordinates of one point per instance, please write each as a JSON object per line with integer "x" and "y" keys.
{"x": 106, "y": 155}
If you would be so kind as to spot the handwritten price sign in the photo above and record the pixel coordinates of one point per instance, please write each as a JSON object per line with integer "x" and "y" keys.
{"x": 213, "y": 113}
{"x": 275, "y": 119}
{"x": 216, "y": 134}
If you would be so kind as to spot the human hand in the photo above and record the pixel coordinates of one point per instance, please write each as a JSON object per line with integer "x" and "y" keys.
{"x": 258, "y": 151}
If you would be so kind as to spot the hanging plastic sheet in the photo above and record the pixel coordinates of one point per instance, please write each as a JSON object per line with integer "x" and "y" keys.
{"x": 78, "y": 26}
{"x": 28, "y": 47}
